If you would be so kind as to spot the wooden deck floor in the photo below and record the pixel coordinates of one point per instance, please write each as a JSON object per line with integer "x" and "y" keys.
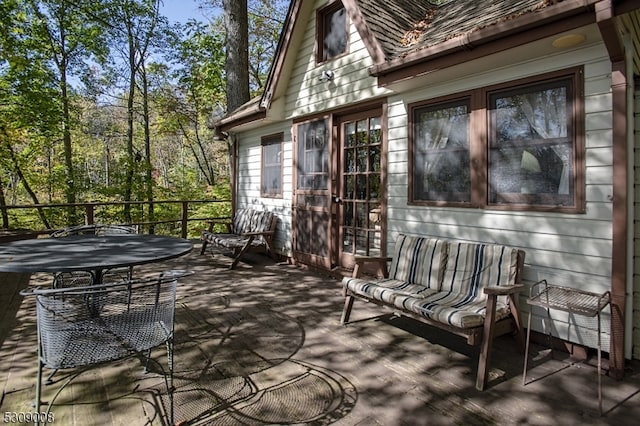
{"x": 262, "y": 345}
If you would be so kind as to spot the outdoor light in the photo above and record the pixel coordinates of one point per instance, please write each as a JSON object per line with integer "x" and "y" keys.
{"x": 327, "y": 75}
{"x": 568, "y": 40}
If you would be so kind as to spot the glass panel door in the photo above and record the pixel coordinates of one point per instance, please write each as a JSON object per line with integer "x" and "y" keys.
{"x": 362, "y": 211}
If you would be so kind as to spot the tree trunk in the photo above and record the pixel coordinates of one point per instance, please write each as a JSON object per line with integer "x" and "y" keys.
{"x": 3, "y": 206}
{"x": 237, "y": 49}
{"x": 147, "y": 148}
{"x": 133, "y": 68}
{"x": 23, "y": 179}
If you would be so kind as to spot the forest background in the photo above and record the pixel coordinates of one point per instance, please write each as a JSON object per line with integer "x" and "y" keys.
{"x": 107, "y": 101}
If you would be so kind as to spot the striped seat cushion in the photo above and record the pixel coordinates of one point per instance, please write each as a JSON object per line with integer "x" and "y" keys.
{"x": 385, "y": 290}
{"x": 418, "y": 260}
{"x": 450, "y": 308}
{"x": 469, "y": 270}
{"x": 231, "y": 241}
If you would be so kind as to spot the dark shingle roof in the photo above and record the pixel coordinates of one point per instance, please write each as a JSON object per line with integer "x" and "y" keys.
{"x": 404, "y": 26}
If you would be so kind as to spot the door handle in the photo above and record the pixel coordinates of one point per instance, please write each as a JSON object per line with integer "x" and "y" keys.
{"x": 336, "y": 199}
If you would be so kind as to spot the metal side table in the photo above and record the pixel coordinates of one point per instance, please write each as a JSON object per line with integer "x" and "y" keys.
{"x": 569, "y": 300}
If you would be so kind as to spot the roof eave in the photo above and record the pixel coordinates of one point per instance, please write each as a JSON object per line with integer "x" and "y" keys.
{"x": 248, "y": 113}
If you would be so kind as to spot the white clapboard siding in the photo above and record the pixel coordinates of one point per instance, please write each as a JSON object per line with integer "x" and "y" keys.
{"x": 567, "y": 249}
{"x": 306, "y": 94}
{"x": 249, "y": 179}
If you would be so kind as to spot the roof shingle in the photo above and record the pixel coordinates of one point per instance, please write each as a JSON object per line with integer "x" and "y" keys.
{"x": 405, "y": 26}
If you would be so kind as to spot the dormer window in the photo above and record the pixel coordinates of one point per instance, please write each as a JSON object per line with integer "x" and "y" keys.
{"x": 332, "y": 32}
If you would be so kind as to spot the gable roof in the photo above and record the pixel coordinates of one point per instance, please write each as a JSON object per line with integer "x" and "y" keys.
{"x": 399, "y": 34}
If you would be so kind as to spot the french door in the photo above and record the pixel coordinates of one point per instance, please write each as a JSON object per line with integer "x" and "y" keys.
{"x": 338, "y": 205}
{"x": 362, "y": 210}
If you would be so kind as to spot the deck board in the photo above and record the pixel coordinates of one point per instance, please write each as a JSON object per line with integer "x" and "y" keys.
{"x": 262, "y": 344}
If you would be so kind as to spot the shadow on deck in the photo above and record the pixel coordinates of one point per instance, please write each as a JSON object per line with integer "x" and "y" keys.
{"x": 262, "y": 344}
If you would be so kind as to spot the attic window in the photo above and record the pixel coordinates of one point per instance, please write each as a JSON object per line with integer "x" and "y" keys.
{"x": 332, "y": 32}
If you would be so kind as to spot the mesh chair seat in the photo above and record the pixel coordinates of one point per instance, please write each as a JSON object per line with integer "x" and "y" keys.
{"x": 85, "y": 326}
{"x": 82, "y": 326}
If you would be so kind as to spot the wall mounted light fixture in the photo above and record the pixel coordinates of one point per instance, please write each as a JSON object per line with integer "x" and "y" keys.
{"x": 568, "y": 40}
{"x": 327, "y": 75}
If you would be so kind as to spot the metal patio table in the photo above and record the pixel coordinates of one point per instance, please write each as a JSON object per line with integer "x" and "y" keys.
{"x": 89, "y": 253}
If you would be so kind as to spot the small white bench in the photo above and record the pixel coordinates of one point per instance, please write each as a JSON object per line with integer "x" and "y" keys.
{"x": 250, "y": 229}
{"x": 468, "y": 289}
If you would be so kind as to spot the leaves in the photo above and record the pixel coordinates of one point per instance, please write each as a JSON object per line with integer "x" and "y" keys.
{"x": 86, "y": 88}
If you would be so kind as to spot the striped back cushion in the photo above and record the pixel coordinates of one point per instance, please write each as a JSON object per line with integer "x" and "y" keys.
{"x": 242, "y": 221}
{"x": 472, "y": 267}
{"x": 261, "y": 221}
{"x": 419, "y": 260}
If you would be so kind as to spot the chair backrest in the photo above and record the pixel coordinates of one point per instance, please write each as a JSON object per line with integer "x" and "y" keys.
{"x": 263, "y": 221}
{"x": 115, "y": 230}
{"x": 94, "y": 229}
{"x": 251, "y": 220}
{"x": 473, "y": 266}
{"x": 88, "y": 325}
{"x": 73, "y": 279}
{"x": 242, "y": 221}
{"x": 419, "y": 260}
{"x": 74, "y": 230}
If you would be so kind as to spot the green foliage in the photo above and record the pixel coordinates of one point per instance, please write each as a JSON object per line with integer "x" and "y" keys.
{"x": 64, "y": 107}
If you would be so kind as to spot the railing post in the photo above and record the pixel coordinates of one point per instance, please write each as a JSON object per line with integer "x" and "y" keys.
{"x": 88, "y": 214}
{"x": 185, "y": 215}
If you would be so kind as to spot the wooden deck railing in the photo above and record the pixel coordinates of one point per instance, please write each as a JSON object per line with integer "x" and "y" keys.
{"x": 175, "y": 218}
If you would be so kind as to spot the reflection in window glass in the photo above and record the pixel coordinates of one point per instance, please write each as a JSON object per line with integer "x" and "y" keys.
{"x": 313, "y": 155}
{"x": 531, "y": 157}
{"x": 271, "y": 185}
{"x": 441, "y": 153}
{"x": 334, "y": 41}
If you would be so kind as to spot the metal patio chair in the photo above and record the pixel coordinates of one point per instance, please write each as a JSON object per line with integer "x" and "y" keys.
{"x": 85, "y": 326}
{"x": 73, "y": 279}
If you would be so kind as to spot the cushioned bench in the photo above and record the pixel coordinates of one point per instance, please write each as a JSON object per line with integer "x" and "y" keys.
{"x": 250, "y": 229}
{"x": 466, "y": 288}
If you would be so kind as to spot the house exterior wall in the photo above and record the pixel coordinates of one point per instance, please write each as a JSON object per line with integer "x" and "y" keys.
{"x": 307, "y": 95}
{"x": 249, "y": 180}
{"x": 566, "y": 249}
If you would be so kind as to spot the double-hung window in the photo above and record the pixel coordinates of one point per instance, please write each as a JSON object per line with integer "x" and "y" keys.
{"x": 271, "y": 185}
{"x": 514, "y": 146}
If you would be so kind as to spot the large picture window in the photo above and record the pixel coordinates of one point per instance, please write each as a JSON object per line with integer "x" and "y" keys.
{"x": 516, "y": 146}
{"x": 271, "y": 185}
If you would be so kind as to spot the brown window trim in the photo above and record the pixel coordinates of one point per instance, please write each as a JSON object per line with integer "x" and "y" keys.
{"x": 479, "y": 128}
{"x": 460, "y": 98}
{"x": 273, "y": 139}
{"x": 320, "y": 20}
